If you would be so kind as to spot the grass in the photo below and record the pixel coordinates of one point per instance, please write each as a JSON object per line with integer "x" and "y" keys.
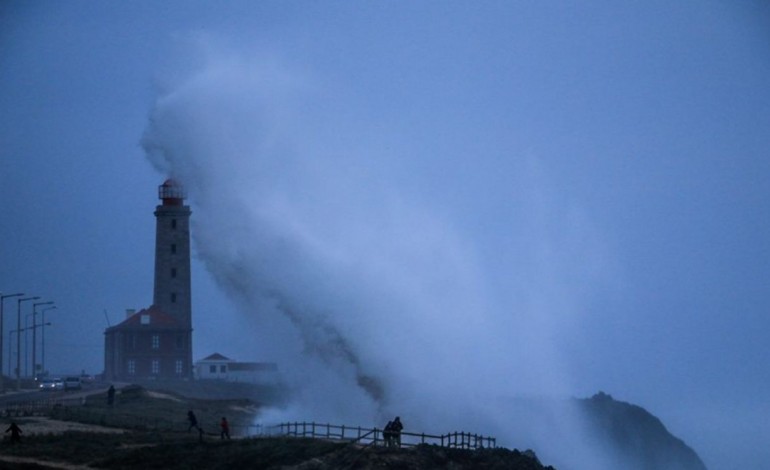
{"x": 159, "y": 450}
{"x": 137, "y": 409}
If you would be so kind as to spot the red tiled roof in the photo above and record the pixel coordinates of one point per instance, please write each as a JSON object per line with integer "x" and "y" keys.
{"x": 157, "y": 317}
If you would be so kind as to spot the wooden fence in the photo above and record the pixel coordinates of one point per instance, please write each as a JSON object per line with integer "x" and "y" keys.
{"x": 374, "y": 436}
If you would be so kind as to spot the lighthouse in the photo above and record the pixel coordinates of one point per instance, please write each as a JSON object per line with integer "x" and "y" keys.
{"x": 172, "y": 253}
{"x": 156, "y": 342}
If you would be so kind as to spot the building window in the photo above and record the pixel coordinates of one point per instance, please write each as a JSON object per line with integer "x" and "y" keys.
{"x": 213, "y": 369}
{"x": 173, "y": 272}
{"x": 155, "y": 341}
{"x": 131, "y": 367}
{"x": 173, "y": 248}
{"x": 173, "y": 297}
{"x": 178, "y": 367}
{"x": 144, "y": 319}
{"x": 155, "y": 366}
{"x": 223, "y": 368}
{"x": 173, "y": 223}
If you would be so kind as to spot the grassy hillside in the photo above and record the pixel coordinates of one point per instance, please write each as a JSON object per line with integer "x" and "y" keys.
{"x": 156, "y": 437}
{"x": 146, "y": 450}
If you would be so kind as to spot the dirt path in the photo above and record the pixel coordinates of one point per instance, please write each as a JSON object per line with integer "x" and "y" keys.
{"x": 10, "y": 459}
{"x": 43, "y": 425}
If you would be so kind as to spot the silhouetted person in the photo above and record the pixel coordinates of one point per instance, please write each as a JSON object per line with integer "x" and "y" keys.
{"x": 111, "y": 395}
{"x": 396, "y": 428}
{"x": 387, "y": 434}
{"x": 193, "y": 420}
{"x": 15, "y": 433}
{"x": 225, "y": 428}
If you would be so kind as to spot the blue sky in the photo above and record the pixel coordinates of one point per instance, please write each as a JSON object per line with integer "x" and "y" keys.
{"x": 595, "y": 174}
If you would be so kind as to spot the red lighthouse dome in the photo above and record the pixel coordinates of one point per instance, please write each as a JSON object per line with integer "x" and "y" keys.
{"x": 171, "y": 192}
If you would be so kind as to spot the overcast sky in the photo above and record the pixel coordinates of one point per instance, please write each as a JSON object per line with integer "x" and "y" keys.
{"x": 580, "y": 187}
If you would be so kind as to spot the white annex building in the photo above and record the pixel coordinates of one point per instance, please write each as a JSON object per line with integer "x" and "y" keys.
{"x": 219, "y": 367}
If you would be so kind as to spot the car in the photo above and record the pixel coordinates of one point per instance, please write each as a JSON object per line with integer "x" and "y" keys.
{"x": 72, "y": 383}
{"x": 50, "y": 385}
{"x": 46, "y": 385}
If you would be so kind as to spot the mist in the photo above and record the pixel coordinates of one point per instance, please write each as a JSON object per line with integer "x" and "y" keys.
{"x": 384, "y": 297}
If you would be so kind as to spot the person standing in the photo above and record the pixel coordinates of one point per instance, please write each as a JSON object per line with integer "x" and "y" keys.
{"x": 111, "y": 395}
{"x": 387, "y": 434}
{"x": 396, "y": 428}
{"x": 225, "y": 428}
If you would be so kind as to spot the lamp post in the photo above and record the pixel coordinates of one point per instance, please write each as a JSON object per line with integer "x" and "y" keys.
{"x": 2, "y": 379}
{"x": 43, "y": 349}
{"x": 10, "y": 342}
{"x": 34, "y": 336}
{"x": 18, "y": 339}
{"x": 25, "y": 348}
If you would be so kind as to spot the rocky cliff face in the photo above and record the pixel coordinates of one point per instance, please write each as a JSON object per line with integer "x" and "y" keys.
{"x": 634, "y": 438}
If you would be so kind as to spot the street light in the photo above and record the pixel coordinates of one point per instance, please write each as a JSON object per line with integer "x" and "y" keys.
{"x": 18, "y": 339}
{"x": 10, "y": 342}
{"x": 43, "y": 358}
{"x": 34, "y": 336}
{"x": 2, "y": 379}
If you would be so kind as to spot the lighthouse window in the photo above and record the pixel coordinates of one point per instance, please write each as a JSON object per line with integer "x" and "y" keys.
{"x": 173, "y": 297}
{"x": 173, "y": 272}
{"x": 173, "y": 248}
{"x": 173, "y": 223}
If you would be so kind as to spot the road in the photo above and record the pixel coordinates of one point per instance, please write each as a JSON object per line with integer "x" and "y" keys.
{"x": 34, "y": 395}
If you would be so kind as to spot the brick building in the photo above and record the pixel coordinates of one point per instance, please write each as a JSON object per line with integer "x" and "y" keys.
{"x": 156, "y": 342}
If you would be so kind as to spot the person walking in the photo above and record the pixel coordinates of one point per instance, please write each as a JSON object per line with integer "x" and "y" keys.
{"x": 15, "y": 431}
{"x": 193, "y": 420}
{"x": 225, "y": 428}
